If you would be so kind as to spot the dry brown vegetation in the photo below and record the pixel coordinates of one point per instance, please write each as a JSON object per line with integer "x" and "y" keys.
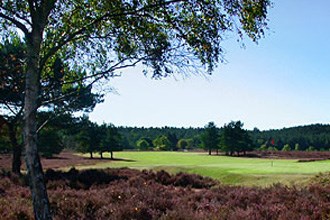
{"x": 132, "y": 194}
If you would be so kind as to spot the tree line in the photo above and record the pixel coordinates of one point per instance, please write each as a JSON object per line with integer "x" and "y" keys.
{"x": 164, "y": 138}
{"x": 82, "y": 135}
{"x": 231, "y": 138}
{"x": 308, "y": 137}
{"x": 67, "y": 132}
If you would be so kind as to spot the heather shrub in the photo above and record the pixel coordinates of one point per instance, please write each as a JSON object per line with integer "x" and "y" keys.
{"x": 295, "y": 154}
{"x": 5, "y": 184}
{"x": 87, "y": 178}
{"x": 14, "y": 178}
{"x": 15, "y": 202}
{"x": 163, "y": 177}
{"x": 181, "y": 214}
{"x": 192, "y": 180}
{"x": 321, "y": 179}
{"x": 90, "y": 177}
{"x": 81, "y": 180}
{"x": 132, "y": 194}
{"x": 51, "y": 175}
{"x": 15, "y": 209}
{"x": 184, "y": 180}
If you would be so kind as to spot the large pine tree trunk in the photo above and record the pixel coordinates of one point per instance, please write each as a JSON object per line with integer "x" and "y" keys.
{"x": 35, "y": 172}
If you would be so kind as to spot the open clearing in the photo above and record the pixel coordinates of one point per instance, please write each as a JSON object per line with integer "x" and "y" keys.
{"x": 229, "y": 170}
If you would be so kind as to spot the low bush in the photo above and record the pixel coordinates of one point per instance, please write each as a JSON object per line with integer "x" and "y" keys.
{"x": 311, "y": 160}
{"x": 85, "y": 179}
{"x": 192, "y": 180}
{"x": 321, "y": 179}
{"x": 302, "y": 155}
{"x": 132, "y": 194}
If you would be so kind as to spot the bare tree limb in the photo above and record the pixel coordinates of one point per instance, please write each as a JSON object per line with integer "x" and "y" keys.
{"x": 18, "y": 24}
{"x": 17, "y": 15}
{"x": 44, "y": 124}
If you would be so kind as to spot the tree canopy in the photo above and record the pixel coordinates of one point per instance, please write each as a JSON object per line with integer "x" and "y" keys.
{"x": 210, "y": 137}
{"x": 299, "y": 138}
{"x": 235, "y": 139}
{"x": 101, "y": 36}
{"x": 55, "y": 96}
{"x": 112, "y": 140}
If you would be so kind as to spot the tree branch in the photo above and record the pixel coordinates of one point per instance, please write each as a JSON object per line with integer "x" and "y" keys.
{"x": 15, "y": 22}
{"x": 68, "y": 38}
{"x": 44, "y": 124}
{"x": 31, "y": 7}
{"x": 17, "y": 15}
{"x": 14, "y": 112}
{"x": 65, "y": 39}
{"x": 109, "y": 70}
{"x": 98, "y": 76}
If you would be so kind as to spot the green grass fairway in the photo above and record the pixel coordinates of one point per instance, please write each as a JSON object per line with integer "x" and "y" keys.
{"x": 229, "y": 170}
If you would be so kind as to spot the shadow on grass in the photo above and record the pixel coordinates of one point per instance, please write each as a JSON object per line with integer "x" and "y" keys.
{"x": 55, "y": 158}
{"x": 109, "y": 159}
{"x": 121, "y": 159}
{"x": 78, "y": 158}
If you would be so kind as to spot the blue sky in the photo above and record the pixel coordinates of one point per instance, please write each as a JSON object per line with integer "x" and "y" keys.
{"x": 281, "y": 82}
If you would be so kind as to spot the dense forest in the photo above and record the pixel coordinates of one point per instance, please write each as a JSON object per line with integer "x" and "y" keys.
{"x": 132, "y": 135}
{"x": 82, "y": 135}
{"x": 308, "y": 137}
